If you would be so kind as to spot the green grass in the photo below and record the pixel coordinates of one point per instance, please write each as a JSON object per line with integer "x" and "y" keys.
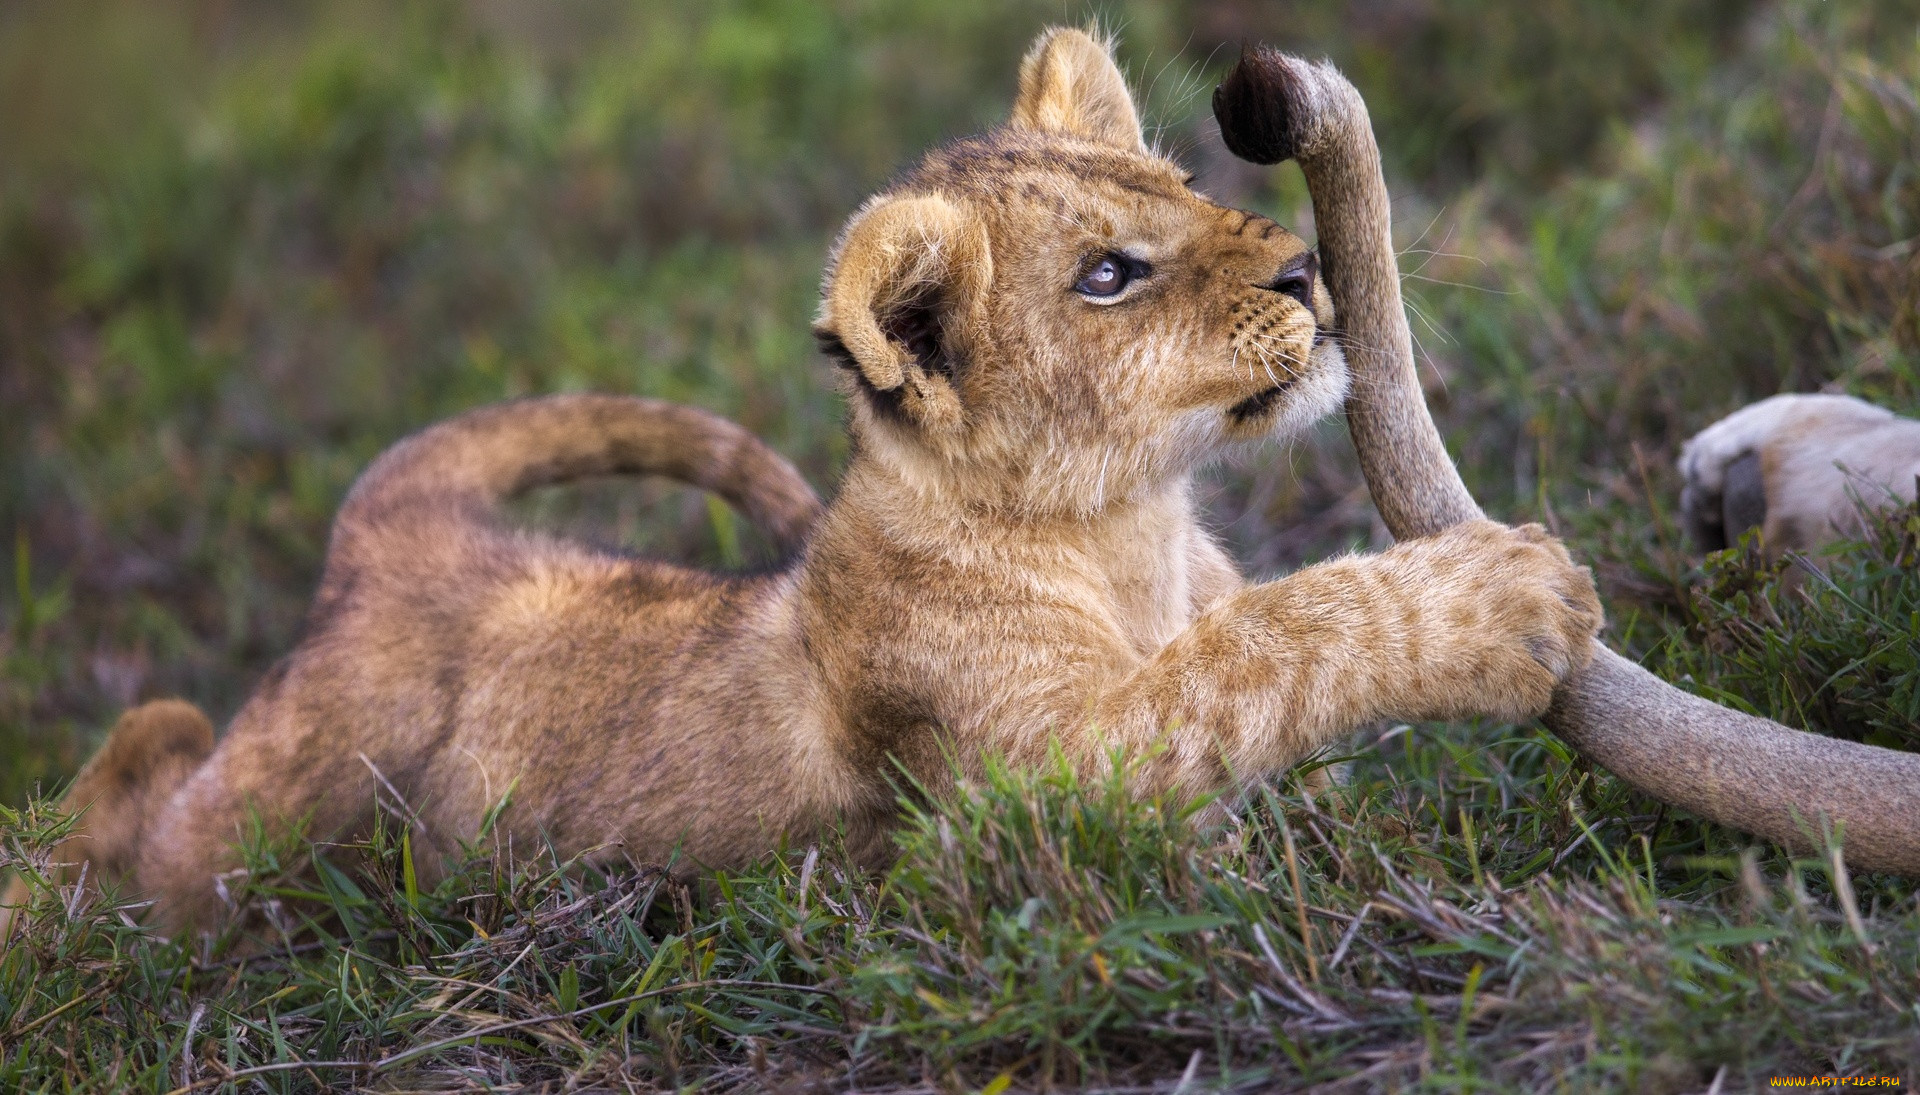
{"x": 1432, "y": 922}
{"x": 1831, "y": 641}
{"x": 240, "y": 253}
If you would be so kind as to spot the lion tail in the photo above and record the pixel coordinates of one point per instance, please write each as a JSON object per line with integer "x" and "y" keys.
{"x": 488, "y": 455}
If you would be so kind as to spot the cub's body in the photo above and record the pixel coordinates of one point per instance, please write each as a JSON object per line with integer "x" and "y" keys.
{"x": 1044, "y": 333}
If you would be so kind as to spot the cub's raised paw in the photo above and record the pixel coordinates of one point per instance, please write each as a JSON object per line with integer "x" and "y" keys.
{"x": 1520, "y": 616}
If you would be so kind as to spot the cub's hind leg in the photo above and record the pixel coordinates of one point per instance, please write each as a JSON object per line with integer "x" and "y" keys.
{"x": 152, "y": 750}
{"x": 270, "y": 773}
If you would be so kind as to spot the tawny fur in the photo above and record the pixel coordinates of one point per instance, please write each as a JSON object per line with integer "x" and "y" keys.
{"x": 1013, "y": 559}
{"x": 119, "y": 793}
{"x": 1750, "y": 773}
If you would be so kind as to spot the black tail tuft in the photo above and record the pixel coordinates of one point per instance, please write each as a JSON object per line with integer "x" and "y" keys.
{"x": 1254, "y": 106}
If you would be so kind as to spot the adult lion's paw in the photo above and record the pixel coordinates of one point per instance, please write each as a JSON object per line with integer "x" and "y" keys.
{"x": 1796, "y": 467}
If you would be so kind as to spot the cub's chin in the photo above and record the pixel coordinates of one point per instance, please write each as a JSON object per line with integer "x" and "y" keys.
{"x": 1296, "y": 402}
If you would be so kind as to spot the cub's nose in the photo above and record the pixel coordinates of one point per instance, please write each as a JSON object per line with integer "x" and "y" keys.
{"x": 1295, "y": 280}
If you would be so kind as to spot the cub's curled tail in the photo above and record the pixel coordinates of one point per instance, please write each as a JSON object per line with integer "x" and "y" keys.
{"x": 491, "y": 454}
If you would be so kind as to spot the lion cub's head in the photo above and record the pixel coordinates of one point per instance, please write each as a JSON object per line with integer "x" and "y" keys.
{"x": 1046, "y": 319}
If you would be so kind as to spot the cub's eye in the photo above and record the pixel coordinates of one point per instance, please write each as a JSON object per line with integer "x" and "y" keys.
{"x": 1108, "y": 276}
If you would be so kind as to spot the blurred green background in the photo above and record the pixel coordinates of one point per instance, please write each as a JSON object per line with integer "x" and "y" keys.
{"x": 244, "y": 247}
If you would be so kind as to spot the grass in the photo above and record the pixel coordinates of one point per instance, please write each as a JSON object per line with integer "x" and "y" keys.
{"x": 1034, "y": 929}
{"x": 239, "y": 254}
{"x": 1832, "y": 642}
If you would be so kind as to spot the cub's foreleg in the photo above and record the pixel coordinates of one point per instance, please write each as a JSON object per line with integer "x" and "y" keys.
{"x": 1479, "y": 620}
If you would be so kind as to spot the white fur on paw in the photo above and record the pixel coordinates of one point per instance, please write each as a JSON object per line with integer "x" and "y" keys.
{"x": 1704, "y": 459}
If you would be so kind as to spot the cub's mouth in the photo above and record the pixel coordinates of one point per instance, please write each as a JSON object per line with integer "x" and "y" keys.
{"x": 1262, "y": 402}
{"x": 1259, "y": 403}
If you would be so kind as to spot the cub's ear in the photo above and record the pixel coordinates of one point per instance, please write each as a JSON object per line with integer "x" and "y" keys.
{"x": 1070, "y": 84}
{"x": 906, "y": 285}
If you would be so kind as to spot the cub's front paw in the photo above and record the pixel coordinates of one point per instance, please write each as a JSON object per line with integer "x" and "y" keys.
{"x": 1520, "y": 615}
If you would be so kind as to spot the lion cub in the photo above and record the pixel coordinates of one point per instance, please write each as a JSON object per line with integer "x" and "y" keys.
{"x": 1044, "y": 333}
